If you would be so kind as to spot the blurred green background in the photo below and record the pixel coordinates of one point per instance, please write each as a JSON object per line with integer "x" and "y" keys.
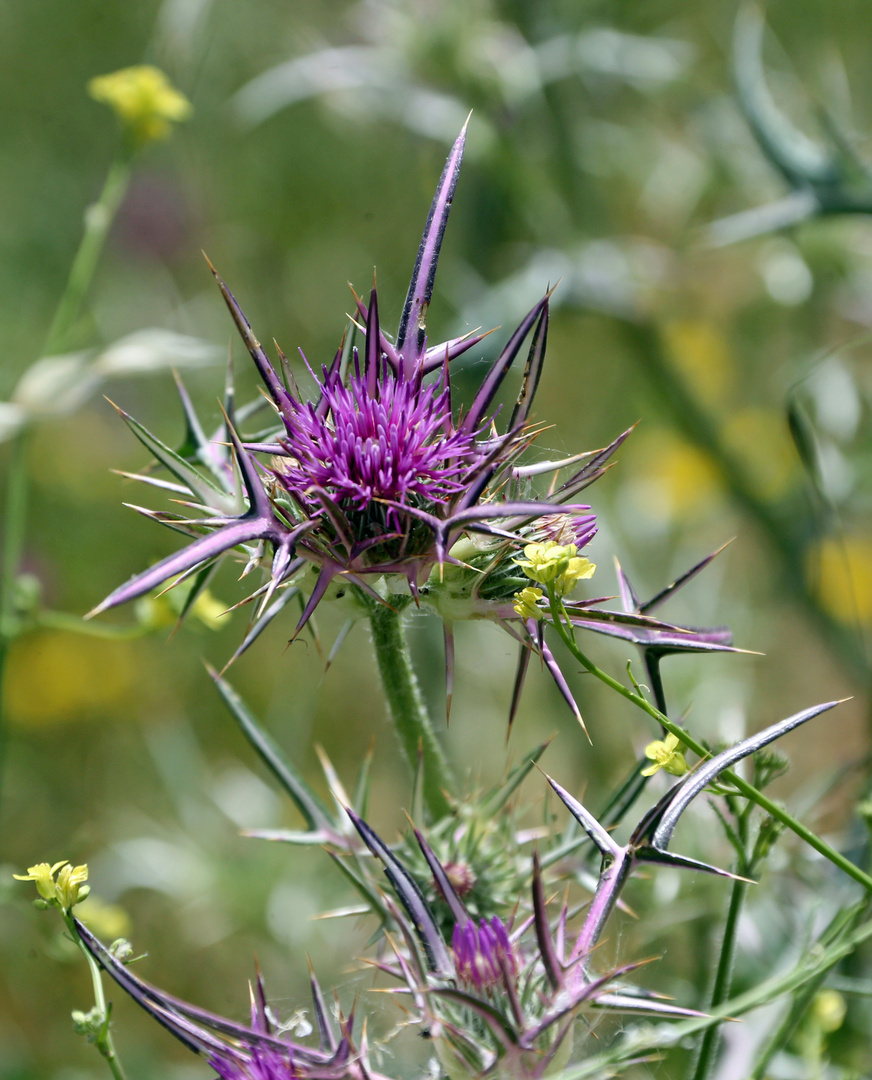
{"x": 605, "y": 138}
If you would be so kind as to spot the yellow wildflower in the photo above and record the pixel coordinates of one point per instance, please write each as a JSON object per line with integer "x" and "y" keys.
{"x": 210, "y": 611}
{"x": 840, "y": 570}
{"x": 552, "y": 564}
{"x": 109, "y": 921}
{"x": 665, "y": 755}
{"x": 527, "y": 603}
{"x": 143, "y": 99}
{"x": 68, "y": 887}
{"x": 66, "y": 891}
{"x": 43, "y": 874}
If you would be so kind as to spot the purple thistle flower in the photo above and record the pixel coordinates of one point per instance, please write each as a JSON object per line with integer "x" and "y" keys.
{"x": 383, "y": 443}
{"x": 374, "y": 476}
{"x": 483, "y": 955}
{"x": 374, "y": 479}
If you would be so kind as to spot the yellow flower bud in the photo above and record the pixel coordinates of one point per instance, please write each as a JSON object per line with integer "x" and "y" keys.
{"x": 143, "y": 99}
{"x": 829, "y": 1010}
{"x": 527, "y": 603}
{"x": 577, "y": 570}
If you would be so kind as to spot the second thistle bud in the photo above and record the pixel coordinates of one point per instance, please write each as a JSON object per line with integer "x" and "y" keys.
{"x": 483, "y": 954}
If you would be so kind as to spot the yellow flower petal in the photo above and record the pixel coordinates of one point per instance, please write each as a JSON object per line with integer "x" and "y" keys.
{"x": 43, "y": 875}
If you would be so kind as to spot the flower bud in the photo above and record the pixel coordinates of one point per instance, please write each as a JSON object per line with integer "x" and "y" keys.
{"x": 526, "y": 603}
{"x": 88, "y": 1023}
{"x": 121, "y": 949}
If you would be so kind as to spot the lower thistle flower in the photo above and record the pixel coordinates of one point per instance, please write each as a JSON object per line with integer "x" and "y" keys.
{"x": 258, "y": 1051}
{"x": 502, "y": 999}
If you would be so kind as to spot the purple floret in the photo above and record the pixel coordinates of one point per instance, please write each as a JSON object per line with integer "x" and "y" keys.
{"x": 395, "y": 444}
{"x": 483, "y": 954}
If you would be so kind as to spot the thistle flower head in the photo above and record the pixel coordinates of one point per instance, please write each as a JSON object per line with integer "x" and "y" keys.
{"x": 376, "y": 483}
{"x": 373, "y": 476}
{"x": 382, "y": 442}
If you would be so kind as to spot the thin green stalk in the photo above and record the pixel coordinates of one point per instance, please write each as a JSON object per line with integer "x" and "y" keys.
{"x": 13, "y": 547}
{"x": 103, "y": 1039}
{"x": 98, "y": 220}
{"x": 748, "y": 790}
{"x": 13, "y": 533}
{"x": 408, "y": 710}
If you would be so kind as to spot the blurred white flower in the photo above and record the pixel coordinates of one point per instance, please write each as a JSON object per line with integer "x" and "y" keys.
{"x": 59, "y": 385}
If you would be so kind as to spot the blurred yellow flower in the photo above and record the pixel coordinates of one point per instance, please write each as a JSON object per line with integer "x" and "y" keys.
{"x": 842, "y": 574}
{"x": 109, "y": 921}
{"x": 672, "y": 478}
{"x": 143, "y": 99}
{"x": 158, "y": 611}
{"x": 829, "y": 1010}
{"x": 760, "y": 440}
{"x": 702, "y": 356}
{"x": 58, "y": 677}
{"x": 210, "y": 611}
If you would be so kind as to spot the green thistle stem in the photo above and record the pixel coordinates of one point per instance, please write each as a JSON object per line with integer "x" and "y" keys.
{"x": 407, "y": 709}
{"x": 722, "y": 985}
{"x": 103, "y": 1039}
{"x": 560, "y": 620}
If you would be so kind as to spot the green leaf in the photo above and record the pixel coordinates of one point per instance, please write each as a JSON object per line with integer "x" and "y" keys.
{"x": 307, "y": 802}
{"x": 202, "y": 487}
